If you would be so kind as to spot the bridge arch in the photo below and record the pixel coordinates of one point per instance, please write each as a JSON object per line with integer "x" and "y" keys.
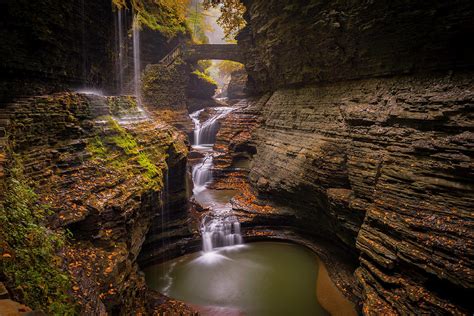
{"x": 195, "y": 52}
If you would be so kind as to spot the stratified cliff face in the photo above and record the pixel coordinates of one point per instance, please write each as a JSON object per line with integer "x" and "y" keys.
{"x": 294, "y": 43}
{"x": 392, "y": 155}
{"x": 237, "y": 85}
{"x": 47, "y": 45}
{"x": 164, "y": 93}
{"x": 367, "y": 138}
{"x": 101, "y": 169}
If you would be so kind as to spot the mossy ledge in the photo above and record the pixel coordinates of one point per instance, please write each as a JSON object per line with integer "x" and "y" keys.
{"x": 75, "y": 172}
{"x": 32, "y": 263}
{"x": 121, "y": 151}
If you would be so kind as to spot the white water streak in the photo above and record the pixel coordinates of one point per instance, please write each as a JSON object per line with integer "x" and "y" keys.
{"x": 218, "y": 230}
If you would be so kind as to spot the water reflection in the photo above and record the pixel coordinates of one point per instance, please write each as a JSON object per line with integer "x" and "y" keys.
{"x": 264, "y": 278}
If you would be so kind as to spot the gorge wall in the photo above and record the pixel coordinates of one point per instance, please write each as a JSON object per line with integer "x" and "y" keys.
{"x": 105, "y": 171}
{"x": 49, "y": 45}
{"x": 53, "y": 45}
{"x": 342, "y": 40}
{"x": 367, "y": 138}
{"x": 103, "y": 180}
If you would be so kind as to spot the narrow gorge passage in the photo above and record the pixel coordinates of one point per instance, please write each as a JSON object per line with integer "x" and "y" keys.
{"x": 236, "y": 157}
{"x": 228, "y": 277}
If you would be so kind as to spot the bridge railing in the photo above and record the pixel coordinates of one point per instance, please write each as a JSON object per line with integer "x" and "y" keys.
{"x": 172, "y": 56}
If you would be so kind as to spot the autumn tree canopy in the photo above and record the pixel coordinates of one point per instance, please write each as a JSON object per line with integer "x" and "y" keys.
{"x": 231, "y": 19}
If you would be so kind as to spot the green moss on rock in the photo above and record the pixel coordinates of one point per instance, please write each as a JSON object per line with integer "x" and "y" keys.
{"x": 124, "y": 155}
{"x": 30, "y": 252}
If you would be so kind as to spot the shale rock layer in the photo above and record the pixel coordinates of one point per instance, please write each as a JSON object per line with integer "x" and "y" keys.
{"x": 300, "y": 42}
{"x": 102, "y": 176}
{"x": 386, "y": 166}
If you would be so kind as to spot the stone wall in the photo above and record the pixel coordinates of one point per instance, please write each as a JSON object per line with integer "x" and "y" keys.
{"x": 382, "y": 165}
{"x": 47, "y": 45}
{"x": 103, "y": 181}
{"x": 367, "y": 139}
{"x": 294, "y": 43}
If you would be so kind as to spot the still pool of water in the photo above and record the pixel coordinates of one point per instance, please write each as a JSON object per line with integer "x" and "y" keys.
{"x": 217, "y": 199}
{"x": 263, "y": 278}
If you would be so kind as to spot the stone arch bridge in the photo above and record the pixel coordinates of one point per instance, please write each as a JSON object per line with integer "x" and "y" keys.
{"x": 194, "y": 52}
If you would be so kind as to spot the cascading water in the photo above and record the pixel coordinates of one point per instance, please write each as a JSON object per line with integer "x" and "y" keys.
{"x": 136, "y": 58}
{"x": 205, "y": 133}
{"x": 137, "y": 114}
{"x": 119, "y": 33}
{"x": 219, "y": 228}
{"x": 84, "y": 49}
{"x": 202, "y": 173}
{"x": 220, "y": 232}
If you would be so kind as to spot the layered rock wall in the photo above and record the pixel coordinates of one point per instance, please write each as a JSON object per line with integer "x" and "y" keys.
{"x": 294, "y": 43}
{"x": 103, "y": 181}
{"x": 47, "y": 45}
{"x": 367, "y": 139}
{"x": 385, "y": 164}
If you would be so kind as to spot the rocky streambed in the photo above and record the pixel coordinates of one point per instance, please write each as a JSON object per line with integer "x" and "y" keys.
{"x": 221, "y": 189}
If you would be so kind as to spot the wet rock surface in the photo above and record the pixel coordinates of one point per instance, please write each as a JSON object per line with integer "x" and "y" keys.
{"x": 103, "y": 181}
{"x": 288, "y": 43}
{"x": 367, "y": 139}
{"x": 384, "y": 166}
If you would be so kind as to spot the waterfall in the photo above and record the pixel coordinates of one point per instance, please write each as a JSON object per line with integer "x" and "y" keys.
{"x": 218, "y": 229}
{"x": 220, "y": 232}
{"x": 205, "y": 133}
{"x": 138, "y": 113}
{"x": 136, "y": 58}
{"x": 197, "y": 125}
{"x": 119, "y": 33}
{"x": 202, "y": 173}
{"x": 83, "y": 39}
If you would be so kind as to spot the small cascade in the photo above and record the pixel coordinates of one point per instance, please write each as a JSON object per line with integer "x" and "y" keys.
{"x": 220, "y": 232}
{"x": 202, "y": 173}
{"x": 218, "y": 229}
{"x": 205, "y": 133}
{"x": 197, "y": 125}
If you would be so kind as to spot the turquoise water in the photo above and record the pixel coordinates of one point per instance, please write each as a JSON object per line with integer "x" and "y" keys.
{"x": 263, "y": 278}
